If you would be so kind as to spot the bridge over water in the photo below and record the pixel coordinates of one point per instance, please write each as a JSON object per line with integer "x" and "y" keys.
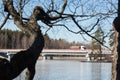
{"x": 63, "y": 53}
{"x": 74, "y": 54}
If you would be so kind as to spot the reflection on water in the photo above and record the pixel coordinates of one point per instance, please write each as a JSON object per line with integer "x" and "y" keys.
{"x": 70, "y": 70}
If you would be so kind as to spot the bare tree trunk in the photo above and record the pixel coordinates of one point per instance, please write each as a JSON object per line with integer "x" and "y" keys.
{"x": 116, "y": 61}
{"x": 115, "y": 56}
{"x": 27, "y": 59}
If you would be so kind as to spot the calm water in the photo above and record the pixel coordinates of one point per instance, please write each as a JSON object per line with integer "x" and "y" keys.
{"x": 70, "y": 70}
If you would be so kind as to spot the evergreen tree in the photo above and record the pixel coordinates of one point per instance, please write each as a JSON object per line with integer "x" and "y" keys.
{"x": 111, "y": 39}
{"x": 95, "y": 45}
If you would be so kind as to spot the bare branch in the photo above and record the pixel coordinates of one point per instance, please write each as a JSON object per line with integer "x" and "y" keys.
{"x": 68, "y": 28}
{"x": 16, "y": 17}
{"x": 93, "y": 26}
{"x": 9, "y": 5}
{"x": 88, "y": 33}
{"x": 112, "y": 4}
{"x": 47, "y": 30}
{"x": 5, "y": 20}
{"x": 52, "y": 4}
{"x": 20, "y": 10}
{"x": 60, "y": 13}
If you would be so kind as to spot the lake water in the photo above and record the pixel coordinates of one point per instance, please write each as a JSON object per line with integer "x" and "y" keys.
{"x": 70, "y": 70}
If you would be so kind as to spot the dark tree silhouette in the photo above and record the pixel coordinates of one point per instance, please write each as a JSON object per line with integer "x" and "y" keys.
{"x": 116, "y": 64}
{"x": 31, "y": 27}
{"x": 27, "y": 58}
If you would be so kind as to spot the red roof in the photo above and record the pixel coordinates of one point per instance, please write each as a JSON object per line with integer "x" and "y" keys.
{"x": 74, "y": 47}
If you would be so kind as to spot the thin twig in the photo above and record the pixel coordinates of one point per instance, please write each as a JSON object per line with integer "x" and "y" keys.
{"x": 88, "y": 33}
{"x": 5, "y": 20}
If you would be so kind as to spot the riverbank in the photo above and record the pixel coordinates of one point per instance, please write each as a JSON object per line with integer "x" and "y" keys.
{"x": 82, "y": 59}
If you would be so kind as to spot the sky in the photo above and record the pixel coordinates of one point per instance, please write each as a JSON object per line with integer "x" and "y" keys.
{"x": 55, "y": 33}
{"x": 62, "y": 32}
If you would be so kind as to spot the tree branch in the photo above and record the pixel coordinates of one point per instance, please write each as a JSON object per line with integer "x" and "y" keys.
{"x": 9, "y": 5}
{"x": 5, "y": 20}
{"x": 88, "y": 33}
{"x": 68, "y": 29}
{"x": 17, "y": 18}
{"x": 93, "y": 26}
{"x": 20, "y": 10}
{"x": 60, "y": 13}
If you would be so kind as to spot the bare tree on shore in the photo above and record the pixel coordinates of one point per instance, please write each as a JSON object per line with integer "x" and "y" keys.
{"x": 80, "y": 14}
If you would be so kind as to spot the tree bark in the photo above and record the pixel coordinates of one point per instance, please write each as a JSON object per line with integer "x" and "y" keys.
{"x": 32, "y": 28}
{"x": 116, "y": 61}
{"x": 114, "y": 73}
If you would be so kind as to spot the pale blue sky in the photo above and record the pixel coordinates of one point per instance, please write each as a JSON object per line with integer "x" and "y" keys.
{"x": 61, "y": 32}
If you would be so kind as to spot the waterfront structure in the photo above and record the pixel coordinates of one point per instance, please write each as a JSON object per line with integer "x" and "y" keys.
{"x": 83, "y": 55}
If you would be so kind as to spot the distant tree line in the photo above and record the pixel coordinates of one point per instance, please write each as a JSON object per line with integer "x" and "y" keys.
{"x": 13, "y": 39}
{"x": 19, "y": 40}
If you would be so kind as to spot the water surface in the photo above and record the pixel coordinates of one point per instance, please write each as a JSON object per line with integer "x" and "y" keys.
{"x": 70, "y": 70}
